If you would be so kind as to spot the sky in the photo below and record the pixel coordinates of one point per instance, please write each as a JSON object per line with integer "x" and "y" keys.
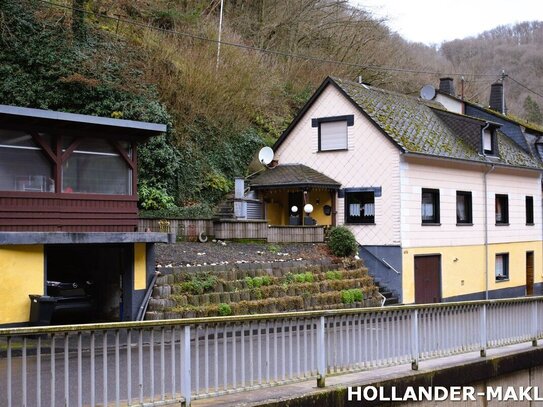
{"x": 436, "y": 21}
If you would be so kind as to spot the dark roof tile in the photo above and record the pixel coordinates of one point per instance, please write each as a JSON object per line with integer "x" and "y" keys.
{"x": 292, "y": 175}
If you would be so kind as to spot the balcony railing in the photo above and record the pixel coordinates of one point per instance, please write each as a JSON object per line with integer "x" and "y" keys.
{"x": 158, "y": 362}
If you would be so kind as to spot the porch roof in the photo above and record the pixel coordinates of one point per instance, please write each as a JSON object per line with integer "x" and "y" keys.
{"x": 292, "y": 176}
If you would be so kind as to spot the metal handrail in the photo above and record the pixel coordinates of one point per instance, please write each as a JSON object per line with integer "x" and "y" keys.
{"x": 206, "y": 357}
{"x": 249, "y": 317}
{"x": 382, "y": 260}
{"x": 143, "y": 307}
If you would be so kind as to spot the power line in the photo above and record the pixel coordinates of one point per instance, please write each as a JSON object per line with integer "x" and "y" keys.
{"x": 265, "y": 50}
{"x": 525, "y": 87}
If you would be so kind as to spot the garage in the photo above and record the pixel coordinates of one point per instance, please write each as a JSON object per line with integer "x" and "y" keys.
{"x": 88, "y": 281}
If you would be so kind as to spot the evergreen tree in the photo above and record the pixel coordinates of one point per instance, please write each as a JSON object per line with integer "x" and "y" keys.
{"x": 532, "y": 111}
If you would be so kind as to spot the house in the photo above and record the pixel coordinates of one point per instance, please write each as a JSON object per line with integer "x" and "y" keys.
{"x": 68, "y": 212}
{"x": 527, "y": 136}
{"x": 444, "y": 206}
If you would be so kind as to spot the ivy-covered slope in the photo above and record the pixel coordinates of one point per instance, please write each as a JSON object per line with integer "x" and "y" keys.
{"x": 44, "y": 65}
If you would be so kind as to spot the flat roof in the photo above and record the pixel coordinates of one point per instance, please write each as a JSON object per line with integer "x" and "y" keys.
{"x": 10, "y": 113}
{"x": 24, "y": 238}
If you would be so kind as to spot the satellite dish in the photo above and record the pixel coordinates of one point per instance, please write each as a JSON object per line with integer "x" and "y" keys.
{"x": 428, "y": 92}
{"x": 265, "y": 155}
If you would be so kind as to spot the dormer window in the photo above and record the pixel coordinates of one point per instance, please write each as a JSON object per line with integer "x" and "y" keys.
{"x": 489, "y": 142}
{"x": 332, "y": 132}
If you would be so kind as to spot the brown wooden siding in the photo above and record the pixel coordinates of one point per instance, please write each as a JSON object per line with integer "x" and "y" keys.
{"x": 42, "y": 212}
{"x": 182, "y": 228}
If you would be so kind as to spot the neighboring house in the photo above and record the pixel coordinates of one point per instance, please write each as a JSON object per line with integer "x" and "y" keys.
{"x": 444, "y": 206}
{"x": 527, "y": 135}
{"x": 68, "y": 211}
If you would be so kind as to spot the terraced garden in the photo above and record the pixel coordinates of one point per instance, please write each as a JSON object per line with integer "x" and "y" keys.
{"x": 261, "y": 288}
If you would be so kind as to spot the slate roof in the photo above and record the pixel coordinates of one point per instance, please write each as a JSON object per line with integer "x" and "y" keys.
{"x": 292, "y": 175}
{"x": 418, "y": 127}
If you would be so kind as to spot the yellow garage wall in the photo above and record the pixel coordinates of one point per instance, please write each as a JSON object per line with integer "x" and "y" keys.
{"x": 463, "y": 267}
{"x": 140, "y": 266}
{"x": 22, "y": 272}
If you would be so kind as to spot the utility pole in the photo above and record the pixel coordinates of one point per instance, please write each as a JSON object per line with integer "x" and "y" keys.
{"x": 220, "y": 33}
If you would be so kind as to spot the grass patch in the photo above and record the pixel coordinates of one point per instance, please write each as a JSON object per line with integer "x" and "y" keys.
{"x": 351, "y": 296}
{"x": 200, "y": 284}
{"x": 306, "y": 277}
{"x": 257, "y": 282}
{"x": 333, "y": 275}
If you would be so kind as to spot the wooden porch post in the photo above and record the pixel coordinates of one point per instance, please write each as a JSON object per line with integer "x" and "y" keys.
{"x": 333, "y": 199}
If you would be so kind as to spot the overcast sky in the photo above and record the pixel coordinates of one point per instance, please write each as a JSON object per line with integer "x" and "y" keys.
{"x": 435, "y": 21}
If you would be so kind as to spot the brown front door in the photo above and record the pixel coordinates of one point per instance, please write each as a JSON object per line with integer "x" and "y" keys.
{"x": 427, "y": 279}
{"x": 529, "y": 273}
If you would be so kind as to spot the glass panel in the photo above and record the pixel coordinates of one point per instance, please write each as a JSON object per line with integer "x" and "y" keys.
{"x": 428, "y": 206}
{"x": 360, "y": 207}
{"x": 23, "y": 166}
{"x": 95, "y": 167}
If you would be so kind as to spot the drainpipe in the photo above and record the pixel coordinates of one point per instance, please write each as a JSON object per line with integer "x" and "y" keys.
{"x": 486, "y": 229}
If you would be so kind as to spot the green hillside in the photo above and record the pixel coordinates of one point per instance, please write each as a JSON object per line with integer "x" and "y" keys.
{"x": 157, "y": 61}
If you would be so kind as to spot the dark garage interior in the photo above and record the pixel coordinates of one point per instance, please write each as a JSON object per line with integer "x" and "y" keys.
{"x": 87, "y": 281}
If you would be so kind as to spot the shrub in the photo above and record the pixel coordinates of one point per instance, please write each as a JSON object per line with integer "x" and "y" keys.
{"x": 342, "y": 242}
{"x": 351, "y": 296}
{"x": 224, "y": 310}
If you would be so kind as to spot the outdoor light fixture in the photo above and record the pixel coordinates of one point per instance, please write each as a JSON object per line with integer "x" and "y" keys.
{"x": 308, "y": 208}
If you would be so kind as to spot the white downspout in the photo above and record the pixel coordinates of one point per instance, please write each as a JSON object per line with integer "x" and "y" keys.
{"x": 486, "y": 230}
{"x": 486, "y": 206}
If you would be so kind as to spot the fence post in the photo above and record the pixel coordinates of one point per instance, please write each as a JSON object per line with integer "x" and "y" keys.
{"x": 534, "y": 323}
{"x": 321, "y": 353}
{"x": 186, "y": 369}
{"x": 483, "y": 330}
{"x": 415, "y": 340}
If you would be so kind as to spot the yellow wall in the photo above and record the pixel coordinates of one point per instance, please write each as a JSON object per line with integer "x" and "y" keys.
{"x": 463, "y": 268}
{"x": 277, "y": 210}
{"x": 140, "y": 266}
{"x": 22, "y": 272}
{"x": 318, "y": 212}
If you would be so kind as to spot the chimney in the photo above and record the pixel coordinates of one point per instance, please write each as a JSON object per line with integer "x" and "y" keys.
{"x": 446, "y": 85}
{"x": 497, "y": 99}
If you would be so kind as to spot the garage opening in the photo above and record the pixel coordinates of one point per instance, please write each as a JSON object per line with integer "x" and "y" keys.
{"x": 87, "y": 281}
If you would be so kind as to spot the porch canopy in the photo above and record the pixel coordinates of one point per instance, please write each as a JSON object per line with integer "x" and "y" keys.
{"x": 295, "y": 185}
{"x": 293, "y": 176}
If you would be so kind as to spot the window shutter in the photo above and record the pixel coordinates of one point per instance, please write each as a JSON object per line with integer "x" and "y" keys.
{"x": 333, "y": 135}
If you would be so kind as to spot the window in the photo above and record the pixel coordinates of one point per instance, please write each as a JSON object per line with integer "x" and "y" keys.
{"x": 430, "y": 206}
{"x": 502, "y": 266}
{"x": 529, "y": 210}
{"x": 96, "y": 167}
{"x": 502, "y": 209}
{"x": 332, "y": 132}
{"x": 489, "y": 143}
{"x": 23, "y": 166}
{"x": 360, "y": 207}
{"x": 463, "y": 208}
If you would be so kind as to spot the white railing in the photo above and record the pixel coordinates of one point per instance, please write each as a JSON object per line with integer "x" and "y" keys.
{"x": 159, "y": 362}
